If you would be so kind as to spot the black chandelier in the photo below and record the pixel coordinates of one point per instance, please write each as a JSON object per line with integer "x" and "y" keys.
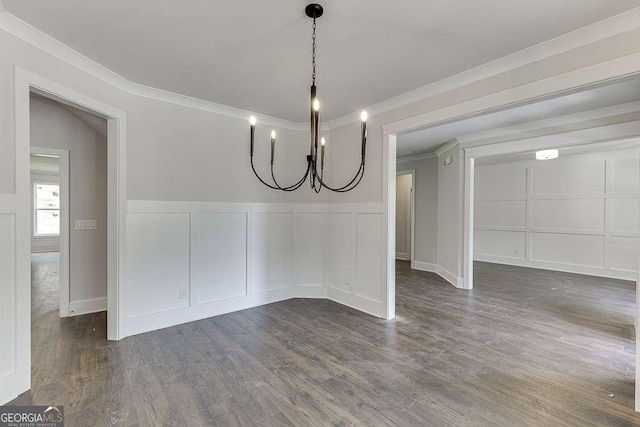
{"x": 315, "y": 162}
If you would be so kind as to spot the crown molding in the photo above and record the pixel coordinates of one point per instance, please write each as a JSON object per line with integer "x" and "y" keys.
{"x": 416, "y": 157}
{"x": 486, "y": 137}
{"x": 609, "y": 27}
{"x": 600, "y": 30}
{"x": 40, "y": 40}
{"x": 446, "y": 147}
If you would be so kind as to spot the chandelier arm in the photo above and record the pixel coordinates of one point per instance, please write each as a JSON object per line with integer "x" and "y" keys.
{"x": 259, "y": 178}
{"x": 294, "y": 186}
{"x": 315, "y": 173}
{"x": 345, "y": 189}
{"x": 358, "y": 176}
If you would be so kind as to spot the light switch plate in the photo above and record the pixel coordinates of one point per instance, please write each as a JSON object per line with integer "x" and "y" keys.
{"x": 86, "y": 224}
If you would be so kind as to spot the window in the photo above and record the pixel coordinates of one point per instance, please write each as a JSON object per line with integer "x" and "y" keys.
{"x": 47, "y": 209}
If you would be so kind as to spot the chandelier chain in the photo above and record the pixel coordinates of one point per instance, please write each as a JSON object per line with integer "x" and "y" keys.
{"x": 313, "y": 57}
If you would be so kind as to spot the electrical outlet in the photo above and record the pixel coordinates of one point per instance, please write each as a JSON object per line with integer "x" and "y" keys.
{"x": 183, "y": 294}
{"x": 347, "y": 282}
{"x": 517, "y": 251}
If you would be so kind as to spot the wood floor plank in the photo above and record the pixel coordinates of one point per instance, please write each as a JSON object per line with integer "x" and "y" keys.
{"x": 525, "y": 347}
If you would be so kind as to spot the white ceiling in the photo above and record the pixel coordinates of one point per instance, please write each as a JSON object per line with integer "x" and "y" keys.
{"x": 430, "y": 139}
{"x": 255, "y": 54}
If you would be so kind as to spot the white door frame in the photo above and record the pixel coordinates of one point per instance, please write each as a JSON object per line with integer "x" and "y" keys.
{"x": 412, "y": 223}
{"x": 25, "y": 83}
{"x": 65, "y": 225}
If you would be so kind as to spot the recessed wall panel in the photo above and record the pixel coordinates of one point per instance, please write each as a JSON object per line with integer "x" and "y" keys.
{"x": 271, "y": 250}
{"x": 309, "y": 248}
{"x": 501, "y": 214}
{"x": 342, "y": 250}
{"x": 576, "y": 249}
{"x": 624, "y": 174}
{"x": 569, "y": 214}
{"x": 624, "y": 253}
{"x": 220, "y": 256}
{"x": 508, "y": 244}
{"x": 369, "y": 256}
{"x": 554, "y": 178}
{"x": 501, "y": 181}
{"x": 624, "y": 215}
{"x": 157, "y": 267}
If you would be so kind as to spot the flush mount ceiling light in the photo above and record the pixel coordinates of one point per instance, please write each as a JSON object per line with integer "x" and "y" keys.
{"x": 547, "y": 155}
{"x": 315, "y": 162}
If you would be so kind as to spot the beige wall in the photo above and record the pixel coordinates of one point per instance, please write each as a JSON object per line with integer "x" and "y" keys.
{"x": 53, "y": 126}
{"x": 403, "y": 216}
{"x": 426, "y": 209}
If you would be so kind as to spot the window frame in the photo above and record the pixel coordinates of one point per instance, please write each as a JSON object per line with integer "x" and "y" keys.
{"x": 34, "y": 208}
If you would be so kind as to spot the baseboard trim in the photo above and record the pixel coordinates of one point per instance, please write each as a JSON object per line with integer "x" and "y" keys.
{"x": 565, "y": 268}
{"x": 424, "y": 266}
{"x": 86, "y": 306}
{"x": 440, "y": 271}
{"x": 166, "y": 319}
{"x": 402, "y": 256}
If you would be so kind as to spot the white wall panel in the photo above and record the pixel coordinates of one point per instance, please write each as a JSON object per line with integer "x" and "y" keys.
{"x": 270, "y": 246}
{"x": 500, "y": 181}
{"x": 580, "y": 215}
{"x": 507, "y": 214}
{"x": 576, "y": 249}
{"x": 7, "y": 294}
{"x": 624, "y": 174}
{"x": 369, "y": 256}
{"x": 569, "y": 214}
{"x": 569, "y": 177}
{"x": 158, "y": 263}
{"x": 342, "y": 250}
{"x": 309, "y": 239}
{"x": 219, "y": 256}
{"x": 508, "y": 244}
{"x": 624, "y": 215}
{"x": 624, "y": 253}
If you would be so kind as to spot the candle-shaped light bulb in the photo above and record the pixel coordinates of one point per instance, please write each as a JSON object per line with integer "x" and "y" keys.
{"x": 364, "y": 116}
{"x": 322, "y": 141}
{"x": 316, "y": 105}
{"x": 252, "y": 120}
{"x": 273, "y": 145}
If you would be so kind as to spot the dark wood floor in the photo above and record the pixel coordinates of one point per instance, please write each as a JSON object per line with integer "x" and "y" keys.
{"x": 526, "y": 347}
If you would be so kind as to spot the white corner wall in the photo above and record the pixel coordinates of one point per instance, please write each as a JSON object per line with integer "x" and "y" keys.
{"x": 576, "y": 214}
{"x": 191, "y": 260}
{"x": 450, "y": 172}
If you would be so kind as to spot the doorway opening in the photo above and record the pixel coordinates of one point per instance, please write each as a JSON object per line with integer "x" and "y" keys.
{"x": 405, "y": 222}
{"x": 599, "y": 237}
{"x": 29, "y": 86}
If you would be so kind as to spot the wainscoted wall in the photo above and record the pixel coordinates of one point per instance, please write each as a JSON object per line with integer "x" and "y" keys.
{"x": 192, "y": 260}
{"x": 356, "y": 266}
{"x": 577, "y": 213}
{"x": 8, "y": 289}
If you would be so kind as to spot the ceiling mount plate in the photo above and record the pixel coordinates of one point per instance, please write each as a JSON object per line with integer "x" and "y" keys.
{"x": 314, "y": 10}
